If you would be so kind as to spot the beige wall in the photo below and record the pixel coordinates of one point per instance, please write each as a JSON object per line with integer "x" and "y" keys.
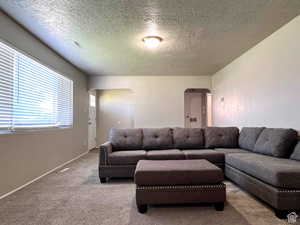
{"x": 158, "y": 101}
{"x": 24, "y": 157}
{"x": 262, "y": 87}
{"x": 115, "y": 109}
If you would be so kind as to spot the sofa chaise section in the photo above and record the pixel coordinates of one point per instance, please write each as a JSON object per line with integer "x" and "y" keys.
{"x": 267, "y": 172}
{"x": 282, "y": 200}
{"x": 278, "y": 172}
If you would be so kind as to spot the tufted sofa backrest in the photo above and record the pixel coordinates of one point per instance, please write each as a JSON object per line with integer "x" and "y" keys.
{"x": 276, "y": 142}
{"x": 157, "y": 138}
{"x": 249, "y": 136}
{"x": 269, "y": 141}
{"x": 188, "y": 138}
{"x": 221, "y": 137}
{"x": 126, "y": 139}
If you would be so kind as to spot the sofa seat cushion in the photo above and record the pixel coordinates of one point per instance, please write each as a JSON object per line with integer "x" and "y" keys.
{"x": 157, "y": 138}
{"x": 126, "y": 139}
{"x": 188, "y": 138}
{"x": 190, "y": 172}
{"x": 296, "y": 152}
{"x": 130, "y": 157}
{"x": 221, "y": 137}
{"x": 276, "y": 142}
{"x": 210, "y": 155}
{"x": 165, "y": 154}
{"x": 248, "y": 137}
{"x": 281, "y": 173}
{"x": 231, "y": 150}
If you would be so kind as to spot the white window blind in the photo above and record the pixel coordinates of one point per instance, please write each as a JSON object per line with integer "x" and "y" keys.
{"x": 7, "y": 58}
{"x": 31, "y": 94}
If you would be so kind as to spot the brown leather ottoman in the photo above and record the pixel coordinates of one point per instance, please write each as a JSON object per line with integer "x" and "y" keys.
{"x": 178, "y": 182}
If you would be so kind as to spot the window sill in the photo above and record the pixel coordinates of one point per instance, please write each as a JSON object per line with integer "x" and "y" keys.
{"x": 34, "y": 130}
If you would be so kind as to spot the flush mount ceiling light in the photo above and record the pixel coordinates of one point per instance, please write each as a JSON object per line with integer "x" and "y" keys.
{"x": 152, "y": 41}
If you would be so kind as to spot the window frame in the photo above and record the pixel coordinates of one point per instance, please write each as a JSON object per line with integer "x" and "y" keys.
{"x": 24, "y": 130}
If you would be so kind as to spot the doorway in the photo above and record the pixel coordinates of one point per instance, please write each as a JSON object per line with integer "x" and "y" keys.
{"x": 197, "y": 108}
{"x": 92, "y": 124}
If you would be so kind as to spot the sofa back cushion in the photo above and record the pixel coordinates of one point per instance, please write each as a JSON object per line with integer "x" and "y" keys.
{"x": 296, "y": 152}
{"x": 157, "y": 138}
{"x": 221, "y": 137}
{"x": 126, "y": 139}
{"x": 188, "y": 138}
{"x": 276, "y": 142}
{"x": 248, "y": 137}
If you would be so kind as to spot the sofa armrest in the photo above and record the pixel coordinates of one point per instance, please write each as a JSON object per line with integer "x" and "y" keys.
{"x": 105, "y": 149}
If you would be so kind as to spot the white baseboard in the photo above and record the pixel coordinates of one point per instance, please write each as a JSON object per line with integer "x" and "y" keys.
{"x": 45, "y": 174}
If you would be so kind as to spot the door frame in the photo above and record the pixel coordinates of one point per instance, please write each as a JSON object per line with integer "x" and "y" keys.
{"x": 92, "y": 141}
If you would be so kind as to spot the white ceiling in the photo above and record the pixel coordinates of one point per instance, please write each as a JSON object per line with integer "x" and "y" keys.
{"x": 200, "y": 36}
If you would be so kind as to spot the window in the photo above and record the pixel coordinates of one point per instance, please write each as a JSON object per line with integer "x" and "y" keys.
{"x": 92, "y": 101}
{"x": 31, "y": 94}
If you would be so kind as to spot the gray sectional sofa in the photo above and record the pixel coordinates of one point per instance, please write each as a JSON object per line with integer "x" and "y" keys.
{"x": 263, "y": 161}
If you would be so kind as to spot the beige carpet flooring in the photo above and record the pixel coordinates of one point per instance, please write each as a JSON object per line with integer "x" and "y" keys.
{"x": 75, "y": 197}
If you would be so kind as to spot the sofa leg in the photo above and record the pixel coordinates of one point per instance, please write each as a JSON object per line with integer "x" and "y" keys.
{"x": 281, "y": 214}
{"x": 219, "y": 206}
{"x": 103, "y": 180}
{"x": 142, "y": 208}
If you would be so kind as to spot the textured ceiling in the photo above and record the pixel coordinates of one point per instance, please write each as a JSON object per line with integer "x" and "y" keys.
{"x": 200, "y": 36}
